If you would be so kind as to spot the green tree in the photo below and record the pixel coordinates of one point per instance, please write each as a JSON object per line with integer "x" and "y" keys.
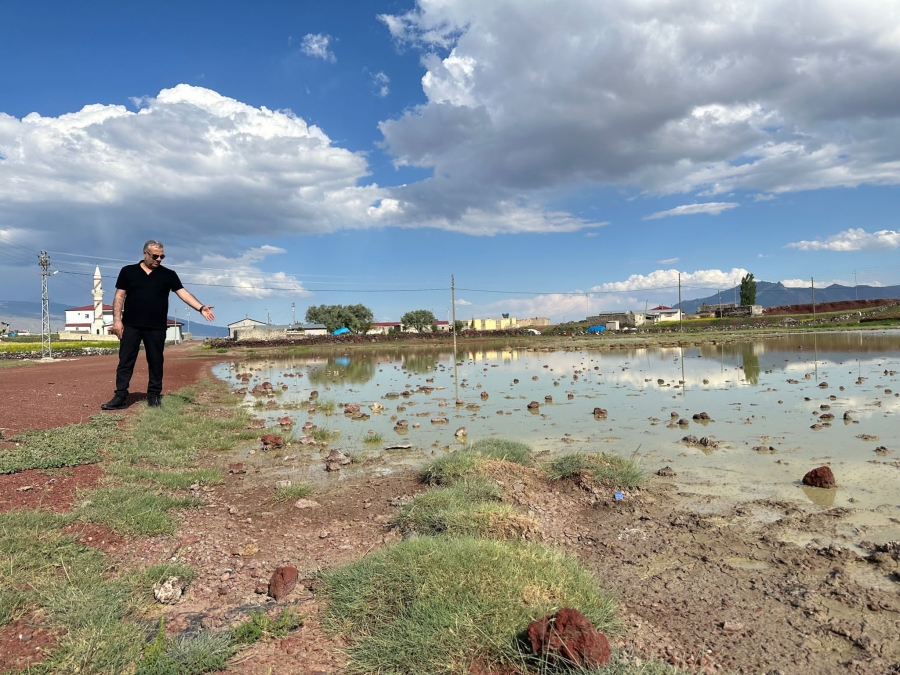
{"x": 458, "y": 325}
{"x": 418, "y": 319}
{"x": 748, "y": 290}
{"x": 357, "y": 318}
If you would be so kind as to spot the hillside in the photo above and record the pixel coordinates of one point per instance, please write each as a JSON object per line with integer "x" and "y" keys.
{"x": 769, "y": 294}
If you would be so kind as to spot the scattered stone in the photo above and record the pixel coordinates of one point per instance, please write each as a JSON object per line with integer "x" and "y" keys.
{"x": 283, "y": 581}
{"x": 548, "y": 398}
{"x": 335, "y": 460}
{"x": 286, "y": 421}
{"x": 306, "y": 504}
{"x": 439, "y": 420}
{"x": 262, "y": 588}
{"x": 281, "y": 484}
{"x": 823, "y": 385}
{"x": 701, "y": 416}
{"x": 351, "y": 409}
{"x": 821, "y": 477}
{"x": 462, "y": 431}
{"x": 600, "y": 412}
{"x": 236, "y": 467}
{"x": 272, "y": 442}
{"x": 169, "y": 592}
{"x": 867, "y": 437}
{"x": 732, "y": 626}
{"x": 883, "y": 451}
{"x": 765, "y": 449}
{"x": 402, "y": 424}
{"x": 376, "y": 407}
{"x": 313, "y": 395}
{"x": 25, "y": 488}
{"x": 568, "y": 638}
{"x": 667, "y": 472}
{"x": 307, "y": 440}
{"x": 247, "y": 550}
{"x": 399, "y": 446}
{"x": 534, "y": 405}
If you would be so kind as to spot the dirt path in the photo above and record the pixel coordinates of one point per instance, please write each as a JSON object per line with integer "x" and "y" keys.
{"x": 55, "y": 393}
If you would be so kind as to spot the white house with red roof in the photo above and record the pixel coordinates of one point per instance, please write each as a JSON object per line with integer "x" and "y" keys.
{"x": 81, "y": 319}
{"x": 664, "y": 313}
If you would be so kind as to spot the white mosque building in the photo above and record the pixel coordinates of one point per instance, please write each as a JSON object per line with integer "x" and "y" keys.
{"x": 82, "y": 323}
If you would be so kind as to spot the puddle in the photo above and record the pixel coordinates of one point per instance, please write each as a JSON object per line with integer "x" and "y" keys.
{"x": 768, "y": 393}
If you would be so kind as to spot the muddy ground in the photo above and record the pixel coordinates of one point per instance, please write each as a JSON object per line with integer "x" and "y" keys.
{"x": 703, "y": 583}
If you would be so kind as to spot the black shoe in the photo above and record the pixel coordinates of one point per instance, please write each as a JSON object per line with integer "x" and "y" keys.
{"x": 154, "y": 400}
{"x": 117, "y": 403}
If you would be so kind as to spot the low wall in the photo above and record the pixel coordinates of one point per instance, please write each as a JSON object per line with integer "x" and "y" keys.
{"x": 80, "y": 336}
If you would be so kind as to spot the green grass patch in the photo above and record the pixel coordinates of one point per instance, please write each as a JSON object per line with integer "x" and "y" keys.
{"x": 62, "y": 345}
{"x": 373, "y": 438}
{"x": 175, "y": 434}
{"x": 440, "y": 605}
{"x": 292, "y": 492}
{"x": 466, "y": 463}
{"x": 326, "y": 406}
{"x": 470, "y": 507}
{"x": 66, "y": 446}
{"x": 322, "y": 434}
{"x": 209, "y": 652}
{"x": 172, "y": 479}
{"x": 605, "y": 469}
{"x": 133, "y": 510}
{"x": 72, "y": 583}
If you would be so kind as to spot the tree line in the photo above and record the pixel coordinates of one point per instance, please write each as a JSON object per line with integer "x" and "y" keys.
{"x": 359, "y": 318}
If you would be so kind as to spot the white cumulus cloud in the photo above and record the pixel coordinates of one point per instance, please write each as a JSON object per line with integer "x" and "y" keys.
{"x": 854, "y": 239}
{"x": 711, "y": 208}
{"x": 382, "y": 84}
{"x": 241, "y": 277}
{"x": 316, "y": 45}
{"x": 668, "y": 279}
{"x": 690, "y": 96}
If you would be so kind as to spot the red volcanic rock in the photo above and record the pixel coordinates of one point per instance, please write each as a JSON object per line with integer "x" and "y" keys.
{"x": 820, "y": 478}
{"x": 599, "y": 412}
{"x": 272, "y": 442}
{"x": 351, "y": 409}
{"x": 286, "y": 421}
{"x": 534, "y": 405}
{"x": 568, "y": 637}
{"x": 283, "y": 581}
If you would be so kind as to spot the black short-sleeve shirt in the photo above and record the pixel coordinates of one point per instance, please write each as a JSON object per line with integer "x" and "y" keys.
{"x": 147, "y": 295}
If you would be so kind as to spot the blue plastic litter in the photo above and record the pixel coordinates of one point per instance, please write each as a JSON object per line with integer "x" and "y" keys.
{"x": 619, "y": 496}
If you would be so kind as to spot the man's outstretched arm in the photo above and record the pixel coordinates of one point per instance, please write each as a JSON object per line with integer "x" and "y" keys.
{"x": 194, "y": 303}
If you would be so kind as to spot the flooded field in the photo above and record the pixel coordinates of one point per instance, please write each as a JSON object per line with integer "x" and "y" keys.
{"x": 777, "y": 408}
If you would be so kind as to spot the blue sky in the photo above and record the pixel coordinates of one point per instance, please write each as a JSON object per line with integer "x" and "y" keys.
{"x": 556, "y": 158}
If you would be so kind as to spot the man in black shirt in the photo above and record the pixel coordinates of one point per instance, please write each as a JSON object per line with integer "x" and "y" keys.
{"x": 140, "y": 314}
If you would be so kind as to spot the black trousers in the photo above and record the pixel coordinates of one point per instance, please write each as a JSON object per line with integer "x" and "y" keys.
{"x": 154, "y": 343}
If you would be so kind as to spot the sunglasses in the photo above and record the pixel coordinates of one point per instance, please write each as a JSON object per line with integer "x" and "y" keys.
{"x": 157, "y": 256}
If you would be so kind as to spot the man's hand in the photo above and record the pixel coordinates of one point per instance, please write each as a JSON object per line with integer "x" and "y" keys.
{"x": 117, "y": 329}
{"x": 208, "y": 313}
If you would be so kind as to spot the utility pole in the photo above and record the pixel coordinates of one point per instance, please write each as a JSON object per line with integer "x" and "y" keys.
{"x": 44, "y": 263}
{"x": 812, "y": 285}
{"x": 680, "y": 308}
{"x": 453, "y": 306}
{"x": 855, "y": 285}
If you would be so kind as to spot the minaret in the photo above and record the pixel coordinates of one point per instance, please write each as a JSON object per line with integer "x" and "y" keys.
{"x": 97, "y": 325}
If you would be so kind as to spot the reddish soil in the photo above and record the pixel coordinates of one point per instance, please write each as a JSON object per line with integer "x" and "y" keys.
{"x": 842, "y": 306}
{"x": 96, "y": 536}
{"x": 50, "y": 489}
{"x": 55, "y": 393}
{"x": 24, "y": 643}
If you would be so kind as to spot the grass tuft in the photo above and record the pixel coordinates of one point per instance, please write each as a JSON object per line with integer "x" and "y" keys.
{"x": 180, "y": 479}
{"x": 292, "y": 492}
{"x": 463, "y": 464}
{"x": 604, "y": 469}
{"x": 323, "y": 434}
{"x": 373, "y": 438}
{"x": 468, "y": 508}
{"x": 441, "y": 605}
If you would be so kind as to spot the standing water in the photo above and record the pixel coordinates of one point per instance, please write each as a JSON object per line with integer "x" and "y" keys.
{"x": 777, "y": 408}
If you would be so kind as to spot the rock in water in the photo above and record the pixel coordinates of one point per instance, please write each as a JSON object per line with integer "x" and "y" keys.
{"x": 283, "y": 581}
{"x": 821, "y": 477}
{"x": 568, "y": 637}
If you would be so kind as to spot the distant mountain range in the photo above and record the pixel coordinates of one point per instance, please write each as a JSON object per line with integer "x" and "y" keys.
{"x": 26, "y": 315}
{"x": 770, "y": 294}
